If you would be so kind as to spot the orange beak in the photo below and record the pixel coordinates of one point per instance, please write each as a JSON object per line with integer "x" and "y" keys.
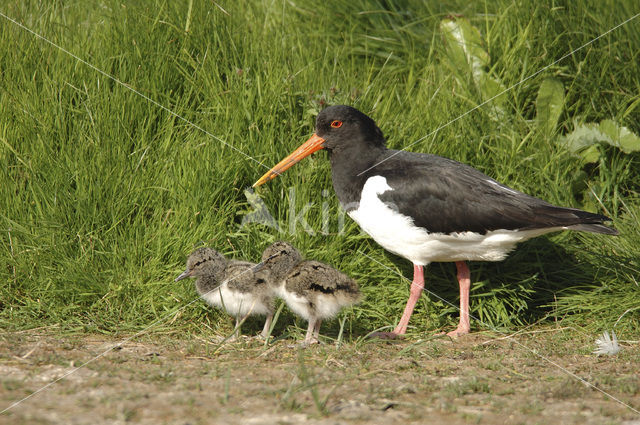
{"x": 312, "y": 145}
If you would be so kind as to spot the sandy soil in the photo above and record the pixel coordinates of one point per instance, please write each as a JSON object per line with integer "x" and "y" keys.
{"x": 160, "y": 379}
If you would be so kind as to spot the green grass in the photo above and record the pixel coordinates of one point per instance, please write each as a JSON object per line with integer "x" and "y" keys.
{"x": 103, "y": 193}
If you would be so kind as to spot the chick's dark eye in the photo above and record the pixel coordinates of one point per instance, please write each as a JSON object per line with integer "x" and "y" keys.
{"x": 336, "y": 124}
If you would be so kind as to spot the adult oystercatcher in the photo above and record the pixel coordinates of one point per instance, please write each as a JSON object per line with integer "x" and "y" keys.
{"x": 425, "y": 207}
{"x": 239, "y": 287}
{"x": 311, "y": 289}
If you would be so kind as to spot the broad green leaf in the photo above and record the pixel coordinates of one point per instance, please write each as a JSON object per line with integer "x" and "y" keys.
{"x": 591, "y": 154}
{"x": 465, "y": 49}
{"x": 584, "y": 137}
{"x": 491, "y": 88}
{"x": 620, "y": 136}
{"x": 464, "y": 44}
{"x": 582, "y": 140}
{"x": 549, "y": 104}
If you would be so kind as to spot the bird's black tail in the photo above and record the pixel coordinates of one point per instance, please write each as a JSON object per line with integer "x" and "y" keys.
{"x": 584, "y": 221}
{"x": 594, "y": 228}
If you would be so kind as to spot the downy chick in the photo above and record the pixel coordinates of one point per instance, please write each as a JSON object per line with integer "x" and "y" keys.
{"x": 238, "y": 287}
{"x": 311, "y": 289}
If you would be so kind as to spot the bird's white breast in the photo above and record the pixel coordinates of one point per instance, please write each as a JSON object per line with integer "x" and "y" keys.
{"x": 322, "y": 306}
{"x": 299, "y": 305}
{"x": 234, "y": 302}
{"x": 397, "y": 233}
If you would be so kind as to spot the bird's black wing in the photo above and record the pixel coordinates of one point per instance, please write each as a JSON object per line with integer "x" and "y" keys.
{"x": 445, "y": 196}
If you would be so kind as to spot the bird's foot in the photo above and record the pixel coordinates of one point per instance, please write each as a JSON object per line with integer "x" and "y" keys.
{"x": 459, "y": 331}
{"x": 310, "y": 341}
{"x": 264, "y": 335}
{"x": 306, "y": 343}
{"x": 261, "y": 337}
{"x": 386, "y": 335}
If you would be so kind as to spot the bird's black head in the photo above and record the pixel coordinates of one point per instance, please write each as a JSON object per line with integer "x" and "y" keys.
{"x": 343, "y": 125}
{"x": 338, "y": 129}
{"x": 204, "y": 262}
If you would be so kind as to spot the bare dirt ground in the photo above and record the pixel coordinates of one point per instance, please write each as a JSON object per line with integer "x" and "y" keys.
{"x": 158, "y": 379}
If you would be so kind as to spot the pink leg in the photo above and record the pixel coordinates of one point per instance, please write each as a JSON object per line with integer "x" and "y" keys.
{"x": 311, "y": 337}
{"x": 267, "y": 325}
{"x": 416, "y": 290}
{"x": 464, "y": 280}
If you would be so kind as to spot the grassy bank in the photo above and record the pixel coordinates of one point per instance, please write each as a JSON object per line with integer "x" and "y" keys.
{"x": 103, "y": 193}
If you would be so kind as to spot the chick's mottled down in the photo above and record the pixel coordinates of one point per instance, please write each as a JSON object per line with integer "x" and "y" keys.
{"x": 279, "y": 258}
{"x": 315, "y": 290}
{"x": 311, "y": 289}
{"x": 239, "y": 287}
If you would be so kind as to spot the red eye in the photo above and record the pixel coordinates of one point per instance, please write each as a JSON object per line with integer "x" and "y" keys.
{"x": 336, "y": 124}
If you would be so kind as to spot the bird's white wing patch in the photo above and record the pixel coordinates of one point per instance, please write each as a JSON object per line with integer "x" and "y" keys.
{"x": 501, "y": 186}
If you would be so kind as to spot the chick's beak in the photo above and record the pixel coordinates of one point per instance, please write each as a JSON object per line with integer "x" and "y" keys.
{"x": 185, "y": 274}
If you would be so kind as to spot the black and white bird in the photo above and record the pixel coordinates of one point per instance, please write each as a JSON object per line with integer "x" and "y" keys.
{"x": 428, "y": 208}
{"x": 238, "y": 287}
{"x": 311, "y": 289}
